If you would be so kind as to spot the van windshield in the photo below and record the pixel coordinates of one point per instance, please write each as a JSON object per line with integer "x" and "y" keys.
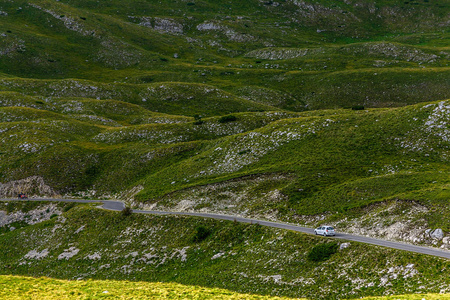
{"x": 330, "y": 228}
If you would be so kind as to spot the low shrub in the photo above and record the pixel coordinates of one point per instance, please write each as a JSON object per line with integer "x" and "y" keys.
{"x": 146, "y": 79}
{"x": 228, "y": 118}
{"x": 69, "y": 206}
{"x": 322, "y": 252}
{"x": 127, "y": 211}
{"x": 198, "y": 120}
{"x": 358, "y": 107}
{"x": 200, "y": 234}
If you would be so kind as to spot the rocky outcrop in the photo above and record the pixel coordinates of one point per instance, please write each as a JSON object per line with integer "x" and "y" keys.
{"x": 281, "y": 53}
{"x": 38, "y": 215}
{"x": 164, "y": 25}
{"x": 231, "y": 34}
{"x": 31, "y": 186}
{"x": 437, "y": 234}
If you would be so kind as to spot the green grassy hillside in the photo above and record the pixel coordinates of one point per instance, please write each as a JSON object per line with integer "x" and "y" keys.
{"x": 303, "y": 111}
{"x": 89, "y": 243}
{"x": 344, "y": 159}
{"x": 288, "y": 54}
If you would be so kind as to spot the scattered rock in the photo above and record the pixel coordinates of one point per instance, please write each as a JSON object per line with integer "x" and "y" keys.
{"x": 40, "y": 214}
{"x": 94, "y": 256}
{"x": 33, "y": 254}
{"x": 69, "y": 253}
{"x": 437, "y": 234}
{"x": 220, "y": 254}
{"x": 344, "y": 246}
{"x": 446, "y": 240}
{"x": 79, "y": 229}
{"x": 168, "y": 26}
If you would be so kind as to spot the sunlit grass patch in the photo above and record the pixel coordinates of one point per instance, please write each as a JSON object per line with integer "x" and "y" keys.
{"x": 20, "y": 288}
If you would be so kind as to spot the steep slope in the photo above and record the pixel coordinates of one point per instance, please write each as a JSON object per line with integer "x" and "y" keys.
{"x": 278, "y": 163}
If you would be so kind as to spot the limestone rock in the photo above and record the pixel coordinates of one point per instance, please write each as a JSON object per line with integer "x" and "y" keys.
{"x": 344, "y": 246}
{"x": 437, "y": 234}
{"x": 37, "y": 215}
{"x": 33, "y": 185}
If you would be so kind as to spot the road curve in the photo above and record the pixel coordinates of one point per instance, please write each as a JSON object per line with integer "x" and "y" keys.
{"x": 118, "y": 206}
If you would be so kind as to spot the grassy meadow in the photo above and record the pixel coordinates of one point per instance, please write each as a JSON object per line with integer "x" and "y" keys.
{"x": 15, "y": 288}
{"x": 48, "y": 289}
{"x": 81, "y": 242}
{"x": 300, "y": 111}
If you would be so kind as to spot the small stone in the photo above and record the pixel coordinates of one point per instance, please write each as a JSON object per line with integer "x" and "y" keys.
{"x": 437, "y": 234}
{"x": 446, "y": 240}
{"x": 344, "y": 246}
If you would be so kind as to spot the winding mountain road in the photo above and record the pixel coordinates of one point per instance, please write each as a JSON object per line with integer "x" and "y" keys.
{"x": 118, "y": 206}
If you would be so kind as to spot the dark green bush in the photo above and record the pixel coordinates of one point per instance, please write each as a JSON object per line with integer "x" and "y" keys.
{"x": 127, "y": 211}
{"x": 228, "y": 118}
{"x": 146, "y": 79}
{"x": 244, "y": 152}
{"x": 322, "y": 252}
{"x": 69, "y": 206}
{"x": 198, "y": 120}
{"x": 358, "y": 107}
{"x": 200, "y": 234}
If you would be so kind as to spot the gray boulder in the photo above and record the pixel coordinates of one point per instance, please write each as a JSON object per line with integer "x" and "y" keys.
{"x": 344, "y": 245}
{"x": 437, "y": 234}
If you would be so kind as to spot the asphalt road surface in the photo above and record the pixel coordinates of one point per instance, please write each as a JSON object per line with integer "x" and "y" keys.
{"x": 118, "y": 206}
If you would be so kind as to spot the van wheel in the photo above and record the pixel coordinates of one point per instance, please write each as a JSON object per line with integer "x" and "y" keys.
{"x": 324, "y": 234}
